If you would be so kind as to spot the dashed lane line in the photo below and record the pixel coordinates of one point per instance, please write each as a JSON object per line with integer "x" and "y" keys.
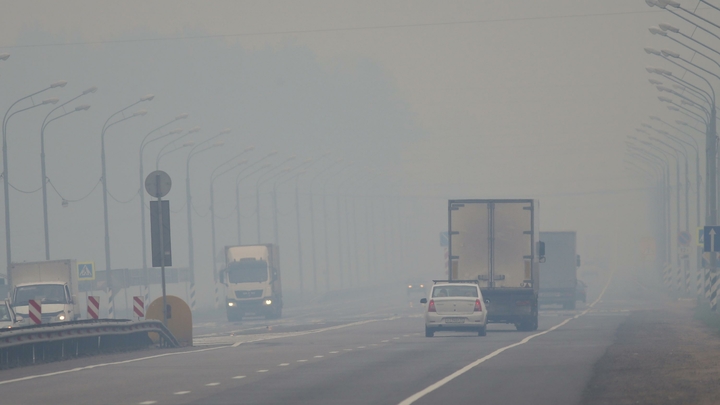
{"x": 411, "y": 399}
{"x": 181, "y": 392}
{"x": 283, "y": 364}
{"x": 238, "y": 377}
{"x": 263, "y": 371}
{"x": 212, "y": 384}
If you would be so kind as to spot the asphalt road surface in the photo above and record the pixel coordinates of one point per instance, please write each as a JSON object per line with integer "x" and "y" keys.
{"x": 356, "y": 351}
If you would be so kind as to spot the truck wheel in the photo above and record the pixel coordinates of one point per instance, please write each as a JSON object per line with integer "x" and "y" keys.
{"x": 482, "y": 331}
{"x": 526, "y": 325}
{"x": 429, "y": 332}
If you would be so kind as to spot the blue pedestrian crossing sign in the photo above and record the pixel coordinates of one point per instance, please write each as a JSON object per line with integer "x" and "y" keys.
{"x": 712, "y": 239}
{"x": 86, "y": 271}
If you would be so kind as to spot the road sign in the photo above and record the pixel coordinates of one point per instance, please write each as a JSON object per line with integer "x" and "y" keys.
{"x": 86, "y": 271}
{"x": 35, "y": 311}
{"x": 712, "y": 239}
{"x": 444, "y": 240}
{"x": 155, "y": 230}
{"x": 684, "y": 250}
{"x": 93, "y": 307}
{"x": 139, "y": 306}
{"x": 158, "y": 184}
{"x": 684, "y": 238}
{"x": 701, "y": 236}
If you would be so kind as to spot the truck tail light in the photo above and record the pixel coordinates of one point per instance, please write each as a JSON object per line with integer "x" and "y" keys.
{"x": 478, "y": 306}
{"x": 431, "y": 306}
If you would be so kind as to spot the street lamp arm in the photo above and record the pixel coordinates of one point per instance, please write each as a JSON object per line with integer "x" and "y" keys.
{"x": 6, "y": 118}
{"x": 705, "y": 120}
{"x": 212, "y": 174}
{"x": 250, "y": 166}
{"x": 143, "y": 142}
{"x": 238, "y": 179}
{"x": 700, "y": 93}
{"x": 106, "y": 126}
{"x": 235, "y": 166}
{"x": 693, "y": 73}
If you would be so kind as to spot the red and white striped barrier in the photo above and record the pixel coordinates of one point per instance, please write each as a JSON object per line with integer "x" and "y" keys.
{"x": 93, "y": 307}
{"x": 35, "y": 311}
{"x": 139, "y": 306}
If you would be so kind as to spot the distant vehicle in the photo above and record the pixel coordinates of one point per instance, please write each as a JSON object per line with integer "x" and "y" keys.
{"x": 581, "y": 291}
{"x": 417, "y": 287}
{"x": 252, "y": 281}
{"x": 53, "y": 283}
{"x": 7, "y": 316}
{"x": 558, "y": 275}
{"x": 455, "y": 306}
{"x": 496, "y": 244}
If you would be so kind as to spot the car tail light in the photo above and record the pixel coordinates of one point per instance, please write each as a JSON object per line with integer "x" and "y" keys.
{"x": 478, "y": 306}
{"x": 431, "y": 306}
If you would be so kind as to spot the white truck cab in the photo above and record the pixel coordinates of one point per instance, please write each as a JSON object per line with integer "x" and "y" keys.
{"x": 252, "y": 281}
{"x": 53, "y": 283}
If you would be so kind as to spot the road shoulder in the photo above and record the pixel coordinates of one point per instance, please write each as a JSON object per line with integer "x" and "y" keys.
{"x": 660, "y": 356}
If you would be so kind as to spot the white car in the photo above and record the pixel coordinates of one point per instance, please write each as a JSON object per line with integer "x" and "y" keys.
{"x": 455, "y": 307}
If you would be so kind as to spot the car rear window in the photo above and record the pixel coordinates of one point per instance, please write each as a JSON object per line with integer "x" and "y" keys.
{"x": 455, "y": 291}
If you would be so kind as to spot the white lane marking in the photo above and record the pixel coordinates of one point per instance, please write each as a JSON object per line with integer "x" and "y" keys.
{"x": 411, "y": 399}
{"x": 317, "y": 357}
{"x": 308, "y": 332}
{"x": 281, "y": 364}
{"x": 333, "y": 352}
{"x": 212, "y": 384}
{"x": 181, "y": 392}
{"x": 395, "y": 338}
{"x": 384, "y": 341}
{"x": 147, "y": 403}
{"x": 238, "y": 377}
{"x": 403, "y": 335}
{"x": 263, "y": 371}
{"x": 72, "y": 370}
{"x": 299, "y": 361}
{"x": 361, "y": 347}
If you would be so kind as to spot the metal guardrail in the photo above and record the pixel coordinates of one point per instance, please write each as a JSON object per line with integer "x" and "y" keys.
{"x": 85, "y": 337}
{"x": 83, "y": 328}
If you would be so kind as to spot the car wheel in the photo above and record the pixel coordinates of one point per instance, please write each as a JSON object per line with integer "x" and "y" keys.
{"x": 429, "y": 332}
{"x": 482, "y": 331}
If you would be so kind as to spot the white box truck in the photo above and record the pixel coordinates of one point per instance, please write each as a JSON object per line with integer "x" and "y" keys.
{"x": 496, "y": 243}
{"x": 558, "y": 278}
{"x": 53, "y": 283}
{"x": 252, "y": 281}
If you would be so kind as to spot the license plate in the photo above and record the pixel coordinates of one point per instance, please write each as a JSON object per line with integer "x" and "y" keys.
{"x": 454, "y": 320}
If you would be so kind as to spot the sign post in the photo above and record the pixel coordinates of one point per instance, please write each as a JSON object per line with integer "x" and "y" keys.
{"x": 158, "y": 185}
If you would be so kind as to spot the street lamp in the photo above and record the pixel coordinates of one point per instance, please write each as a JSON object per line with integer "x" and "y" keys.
{"x": 238, "y": 179}
{"x": 214, "y": 177}
{"x": 260, "y": 181}
{"x": 312, "y": 220}
{"x": 5, "y": 175}
{"x": 45, "y": 123}
{"x": 108, "y": 267}
{"x": 188, "y": 195}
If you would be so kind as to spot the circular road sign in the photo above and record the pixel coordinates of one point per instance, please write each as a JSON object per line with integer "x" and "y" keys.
{"x": 158, "y": 184}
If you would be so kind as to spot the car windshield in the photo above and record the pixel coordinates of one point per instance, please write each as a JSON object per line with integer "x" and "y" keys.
{"x": 247, "y": 271}
{"x": 455, "y": 291}
{"x": 45, "y": 293}
{"x": 4, "y": 313}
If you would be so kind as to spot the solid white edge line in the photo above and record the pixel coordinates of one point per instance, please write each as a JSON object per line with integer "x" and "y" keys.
{"x": 72, "y": 370}
{"x": 411, "y": 399}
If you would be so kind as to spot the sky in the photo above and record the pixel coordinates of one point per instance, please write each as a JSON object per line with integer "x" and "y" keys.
{"x": 426, "y": 100}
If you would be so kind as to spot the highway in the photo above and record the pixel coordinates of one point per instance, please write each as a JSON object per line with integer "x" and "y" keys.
{"x": 370, "y": 351}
